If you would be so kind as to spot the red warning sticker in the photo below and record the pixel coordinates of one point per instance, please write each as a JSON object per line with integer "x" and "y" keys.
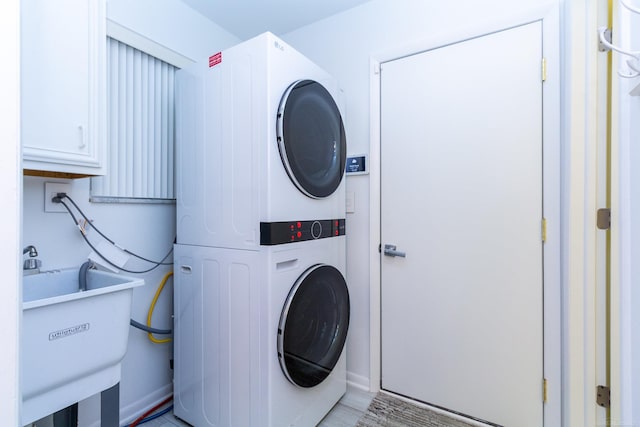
{"x": 215, "y": 59}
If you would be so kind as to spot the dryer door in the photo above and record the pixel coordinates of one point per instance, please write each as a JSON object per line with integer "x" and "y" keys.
{"x": 311, "y": 138}
{"x": 313, "y": 325}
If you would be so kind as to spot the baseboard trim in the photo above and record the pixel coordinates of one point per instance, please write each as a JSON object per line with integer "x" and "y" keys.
{"x": 358, "y": 381}
{"x": 132, "y": 411}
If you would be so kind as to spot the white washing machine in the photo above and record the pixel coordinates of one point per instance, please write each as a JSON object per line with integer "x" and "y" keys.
{"x": 260, "y": 335}
{"x": 260, "y": 141}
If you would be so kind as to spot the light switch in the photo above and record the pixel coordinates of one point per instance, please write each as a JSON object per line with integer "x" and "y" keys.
{"x": 350, "y": 202}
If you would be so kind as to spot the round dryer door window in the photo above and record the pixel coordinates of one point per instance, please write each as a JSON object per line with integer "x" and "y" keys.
{"x": 313, "y": 326}
{"x": 311, "y": 138}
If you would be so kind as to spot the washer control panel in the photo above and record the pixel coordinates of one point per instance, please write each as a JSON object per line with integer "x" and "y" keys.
{"x": 277, "y": 233}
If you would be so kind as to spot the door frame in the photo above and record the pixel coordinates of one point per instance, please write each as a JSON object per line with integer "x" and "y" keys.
{"x": 11, "y": 228}
{"x": 548, "y": 14}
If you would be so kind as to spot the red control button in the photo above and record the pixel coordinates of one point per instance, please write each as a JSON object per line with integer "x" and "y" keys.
{"x": 299, "y": 234}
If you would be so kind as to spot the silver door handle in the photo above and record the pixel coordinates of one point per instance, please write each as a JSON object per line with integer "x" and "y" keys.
{"x": 390, "y": 250}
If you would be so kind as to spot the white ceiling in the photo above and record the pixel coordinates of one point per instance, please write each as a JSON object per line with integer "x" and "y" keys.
{"x": 247, "y": 18}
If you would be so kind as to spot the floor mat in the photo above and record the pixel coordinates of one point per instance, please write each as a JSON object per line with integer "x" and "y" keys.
{"x": 388, "y": 411}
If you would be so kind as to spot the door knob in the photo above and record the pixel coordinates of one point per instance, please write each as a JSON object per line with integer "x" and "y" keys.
{"x": 390, "y": 250}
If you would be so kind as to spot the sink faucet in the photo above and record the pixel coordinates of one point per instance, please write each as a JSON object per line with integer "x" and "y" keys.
{"x": 33, "y": 252}
{"x": 31, "y": 265}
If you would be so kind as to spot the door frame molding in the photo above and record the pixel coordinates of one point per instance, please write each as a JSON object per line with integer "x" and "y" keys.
{"x": 11, "y": 228}
{"x": 548, "y": 14}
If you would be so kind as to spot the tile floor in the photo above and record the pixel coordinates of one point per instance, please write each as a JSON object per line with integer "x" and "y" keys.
{"x": 346, "y": 413}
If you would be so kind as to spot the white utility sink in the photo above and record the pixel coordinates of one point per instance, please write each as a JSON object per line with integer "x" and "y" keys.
{"x": 72, "y": 341}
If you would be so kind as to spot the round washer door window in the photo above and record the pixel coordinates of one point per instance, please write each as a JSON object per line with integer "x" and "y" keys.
{"x": 311, "y": 138}
{"x": 313, "y": 326}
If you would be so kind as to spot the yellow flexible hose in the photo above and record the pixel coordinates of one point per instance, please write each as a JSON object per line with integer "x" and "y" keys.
{"x": 153, "y": 306}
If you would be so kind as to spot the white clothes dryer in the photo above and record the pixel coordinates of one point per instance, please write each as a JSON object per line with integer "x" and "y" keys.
{"x": 260, "y": 140}
{"x": 260, "y": 335}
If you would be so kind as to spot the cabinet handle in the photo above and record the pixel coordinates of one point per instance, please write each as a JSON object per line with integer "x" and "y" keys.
{"x": 82, "y": 137}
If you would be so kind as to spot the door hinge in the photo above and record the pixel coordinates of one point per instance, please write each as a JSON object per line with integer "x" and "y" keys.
{"x": 544, "y": 69}
{"x": 603, "y": 396}
{"x": 544, "y": 230}
{"x": 604, "y": 219}
{"x": 544, "y": 390}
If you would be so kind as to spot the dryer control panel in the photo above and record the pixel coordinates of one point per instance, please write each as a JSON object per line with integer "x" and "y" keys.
{"x": 277, "y": 233}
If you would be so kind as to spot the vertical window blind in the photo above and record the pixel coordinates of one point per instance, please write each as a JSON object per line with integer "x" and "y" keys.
{"x": 140, "y": 128}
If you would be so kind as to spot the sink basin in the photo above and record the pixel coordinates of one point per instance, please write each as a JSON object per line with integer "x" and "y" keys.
{"x": 72, "y": 342}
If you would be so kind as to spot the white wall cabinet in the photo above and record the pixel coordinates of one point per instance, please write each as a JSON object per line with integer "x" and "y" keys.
{"x": 63, "y": 46}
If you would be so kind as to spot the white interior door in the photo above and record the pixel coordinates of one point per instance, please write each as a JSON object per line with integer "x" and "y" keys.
{"x": 461, "y": 196}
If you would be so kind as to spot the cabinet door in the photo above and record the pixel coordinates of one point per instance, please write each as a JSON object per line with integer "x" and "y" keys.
{"x": 63, "y": 45}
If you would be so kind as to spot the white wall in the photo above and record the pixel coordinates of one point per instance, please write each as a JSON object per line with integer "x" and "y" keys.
{"x": 629, "y": 131}
{"x": 173, "y": 25}
{"x": 634, "y": 233}
{"x": 633, "y": 283}
{"x": 10, "y": 183}
{"x": 145, "y": 229}
{"x": 343, "y": 45}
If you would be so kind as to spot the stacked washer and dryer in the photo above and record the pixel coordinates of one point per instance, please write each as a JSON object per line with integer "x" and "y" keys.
{"x": 261, "y": 306}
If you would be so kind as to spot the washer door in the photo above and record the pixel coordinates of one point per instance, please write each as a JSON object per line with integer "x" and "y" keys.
{"x": 311, "y": 138}
{"x": 313, "y": 326}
